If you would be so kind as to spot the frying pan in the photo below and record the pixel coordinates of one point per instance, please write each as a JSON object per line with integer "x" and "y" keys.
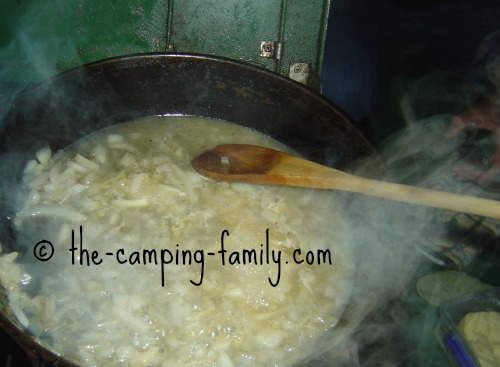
{"x": 77, "y": 102}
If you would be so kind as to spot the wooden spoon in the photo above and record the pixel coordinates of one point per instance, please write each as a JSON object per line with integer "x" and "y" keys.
{"x": 259, "y": 165}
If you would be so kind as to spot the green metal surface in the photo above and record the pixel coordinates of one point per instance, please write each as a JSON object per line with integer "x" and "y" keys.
{"x": 230, "y": 28}
{"x": 39, "y": 38}
{"x": 236, "y": 28}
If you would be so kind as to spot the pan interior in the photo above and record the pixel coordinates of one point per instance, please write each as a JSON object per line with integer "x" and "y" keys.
{"x": 153, "y": 264}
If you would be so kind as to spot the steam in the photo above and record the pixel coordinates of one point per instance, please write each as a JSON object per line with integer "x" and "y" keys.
{"x": 43, "y": 39}
{"x": 449, "y": 143}
{"x": 34, "y": 41}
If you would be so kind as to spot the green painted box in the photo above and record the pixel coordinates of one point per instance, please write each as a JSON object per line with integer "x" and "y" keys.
{"x": 40, "y": 38}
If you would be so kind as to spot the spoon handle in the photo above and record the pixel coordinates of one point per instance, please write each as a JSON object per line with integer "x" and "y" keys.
{"x": 318, "y": 176}
{"x": 421, "y": 196}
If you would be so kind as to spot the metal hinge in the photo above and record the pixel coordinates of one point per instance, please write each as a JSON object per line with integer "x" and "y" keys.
{"x": 271, "y": 50}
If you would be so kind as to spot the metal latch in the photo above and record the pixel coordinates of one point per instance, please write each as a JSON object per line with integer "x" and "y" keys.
{"x": 271, "y": 50}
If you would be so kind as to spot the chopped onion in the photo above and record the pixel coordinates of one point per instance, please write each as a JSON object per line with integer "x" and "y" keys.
{"x": 130, "y": 203}
{"x": 19, "y": 313}
{"x": 43, "y": 155}
{"x": 148, "y": 216}
{"x": 52, "y": 211}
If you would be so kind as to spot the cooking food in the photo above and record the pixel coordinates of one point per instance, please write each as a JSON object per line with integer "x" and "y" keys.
{"x": 127, "y": 257}
{"x": 481, "y": 330}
